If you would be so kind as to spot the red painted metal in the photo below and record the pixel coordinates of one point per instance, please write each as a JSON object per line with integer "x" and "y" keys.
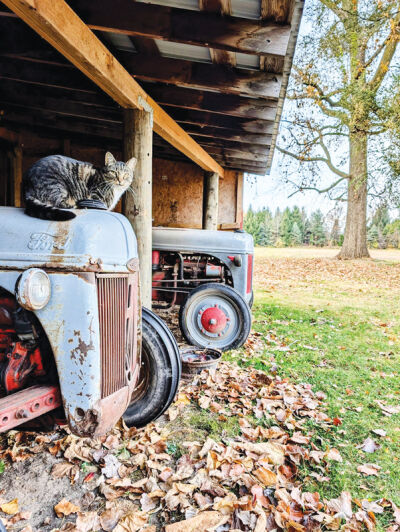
{"x": 155, "y": 259}
{"x": 23, "y": 362}
{"x": 231, "y": 257}
{"x": 118, "y": 311}
{"x": 249, "y": 286}
{"x": 156, "y": 281}
{"x": 213, "y": 320}
{"x": 27, "y": 404}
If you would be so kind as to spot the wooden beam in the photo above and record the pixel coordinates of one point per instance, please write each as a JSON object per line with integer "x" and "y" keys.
{"x": 186, "y": 26}
{"x": 38, "y": 101}
{"x": 220, "y": 7}
{"x": 17, "y": 176}
{"x": 225, "y": 104}
{"x": 202, "y": 118}
{"x": 210, "y": 191}
{"x": 228, "y": 134}
{"x": 210, "y": 142}
{"x": 277, "y": 10}
{"x": 59, "y": 25}
{"x": 239, "y": 199}
{"x": 138, "y": 142}
{"x": 202, "y": 75}
{"x": 237, "y": 154}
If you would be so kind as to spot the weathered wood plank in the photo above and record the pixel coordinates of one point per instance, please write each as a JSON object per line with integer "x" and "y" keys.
{"x": 220, "y": 7}
{"x": 277, "y": 10}
{"x": 226, "y": 104}
{"x": 59, "y": 25}
{"x": 202, "y": 28}
{"x": 202, "y": 118}
{"x": 202, "y": 75}
{"x": 228, "y": 134}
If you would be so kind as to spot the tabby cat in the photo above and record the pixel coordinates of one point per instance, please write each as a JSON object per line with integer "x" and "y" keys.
{"x": 57, "y": 183}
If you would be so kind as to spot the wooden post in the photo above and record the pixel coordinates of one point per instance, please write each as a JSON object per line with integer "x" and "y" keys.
{"x": 17, "y": 176}
{"x": 210, "y": 213}
{"x": 138, "y": 142}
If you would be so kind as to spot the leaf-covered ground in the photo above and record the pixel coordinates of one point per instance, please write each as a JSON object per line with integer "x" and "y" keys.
{"x": 299, "y": 430}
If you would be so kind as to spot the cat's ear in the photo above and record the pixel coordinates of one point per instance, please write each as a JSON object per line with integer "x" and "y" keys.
{"x": 131, "y": 163}
{"x": 110, "y": 159}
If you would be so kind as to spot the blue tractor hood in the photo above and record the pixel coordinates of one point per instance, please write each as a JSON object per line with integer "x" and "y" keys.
{"x": 93, "y": 241}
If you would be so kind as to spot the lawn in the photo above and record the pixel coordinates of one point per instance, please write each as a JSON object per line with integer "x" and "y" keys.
{"x": 336, "y": 325}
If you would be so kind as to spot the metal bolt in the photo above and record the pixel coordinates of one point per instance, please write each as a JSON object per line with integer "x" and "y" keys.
{"x": 21, "y": 414}
{"x": 213, "y": 321}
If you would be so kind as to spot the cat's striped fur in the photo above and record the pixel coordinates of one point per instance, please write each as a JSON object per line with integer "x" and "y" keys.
{"x": 57, "y": 183}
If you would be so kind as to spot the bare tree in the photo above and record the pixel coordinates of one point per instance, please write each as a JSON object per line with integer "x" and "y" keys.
{"x": 342, "y": 89}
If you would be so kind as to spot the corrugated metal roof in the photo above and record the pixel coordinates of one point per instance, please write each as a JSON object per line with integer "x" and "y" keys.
{"x": 183, "y": 51}
{"x": 240, "y": 8}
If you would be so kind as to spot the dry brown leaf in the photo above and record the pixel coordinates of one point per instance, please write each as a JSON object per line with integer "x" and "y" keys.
{"x": 10, "y": 508}
{"x": 63, "y": 469}
{"x": 20, "y": 516}
{"x": 369, "y": 469}
{"x": 87, "y": 521}
{"x": 267, "y": 477}
{"x": 65, "y": 507}
{"x": 131, "y": 522}
{"x": 109, "y": 518}
{"x": 201, "y": 522}
{"x": 341, "y": 506}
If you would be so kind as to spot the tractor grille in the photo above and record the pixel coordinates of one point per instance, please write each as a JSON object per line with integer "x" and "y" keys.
{"x": 117, "y": 300}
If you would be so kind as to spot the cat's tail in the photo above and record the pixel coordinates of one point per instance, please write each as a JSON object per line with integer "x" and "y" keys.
{"x": 37, "y": 209}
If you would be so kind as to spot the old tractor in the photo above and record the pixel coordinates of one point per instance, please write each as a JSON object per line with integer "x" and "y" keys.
{"x": 74, "y": 341}
{"x": 209, "y": 274}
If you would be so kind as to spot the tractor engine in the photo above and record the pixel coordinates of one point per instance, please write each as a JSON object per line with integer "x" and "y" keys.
{"x": 21, "y": 347}
{"x": 176, "y": 274}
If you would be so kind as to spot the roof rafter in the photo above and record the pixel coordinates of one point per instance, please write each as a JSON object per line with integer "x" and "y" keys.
{"x": 59, "y": 25}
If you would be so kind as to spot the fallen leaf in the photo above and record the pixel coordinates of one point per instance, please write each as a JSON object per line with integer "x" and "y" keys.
{"x": 87, "y": 521}
{"x": 369, "y": 469}
{"x": 267, "y": 477}
{"x": 341, "y": 506}
{"x": 200, "y": 522}
{"x": 131, "y": 522}
{"x": 10, "y": 508}
{"x": 369, "y": 446}
{"x": 111, "y": 466}
{"x": 65, "y": 507}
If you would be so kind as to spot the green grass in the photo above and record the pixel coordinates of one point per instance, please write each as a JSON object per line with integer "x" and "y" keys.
{"x": 346, "y": 345}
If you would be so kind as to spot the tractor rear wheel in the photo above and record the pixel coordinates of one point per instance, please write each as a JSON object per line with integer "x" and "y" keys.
{"x": 160, "y": 373}
{"x": 216, "y": 316}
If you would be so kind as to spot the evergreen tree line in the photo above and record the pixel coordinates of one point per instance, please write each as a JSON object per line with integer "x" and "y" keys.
{"x": 382, "y": 231}
{"x": 293, "y": 227}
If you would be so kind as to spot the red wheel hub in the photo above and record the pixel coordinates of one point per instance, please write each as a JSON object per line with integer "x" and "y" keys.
{"x": 213, "y": 320}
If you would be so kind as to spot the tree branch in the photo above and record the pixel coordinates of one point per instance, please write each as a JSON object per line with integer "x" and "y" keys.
{"x": 316, "y": 189}
{"x": 317, "y": 159}
{"x": 388, "y": 54}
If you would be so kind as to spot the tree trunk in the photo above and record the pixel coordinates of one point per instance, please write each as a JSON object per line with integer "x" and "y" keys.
{"x": 355, "y": 235}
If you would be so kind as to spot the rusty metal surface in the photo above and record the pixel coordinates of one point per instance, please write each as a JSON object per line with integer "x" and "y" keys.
{"x": 117, "y": 299}
{"x": 27, "y": 404}
{"x": 95, "y": 348}
{"x": 93, "y": 241}
{"x": 218, "y": 244}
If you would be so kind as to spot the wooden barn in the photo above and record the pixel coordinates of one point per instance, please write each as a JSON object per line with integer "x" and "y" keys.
{"x": 193, "y": 88}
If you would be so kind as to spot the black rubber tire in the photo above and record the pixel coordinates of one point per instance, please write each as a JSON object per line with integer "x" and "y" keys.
{"x": 161, "y": 354}
{"x": 242, "y": 309}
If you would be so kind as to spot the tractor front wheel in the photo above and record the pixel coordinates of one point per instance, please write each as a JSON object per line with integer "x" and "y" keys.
{"x": 215, "y": 315}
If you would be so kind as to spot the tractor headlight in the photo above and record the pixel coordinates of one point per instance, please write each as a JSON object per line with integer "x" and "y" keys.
{"x": 33, "y": 289}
